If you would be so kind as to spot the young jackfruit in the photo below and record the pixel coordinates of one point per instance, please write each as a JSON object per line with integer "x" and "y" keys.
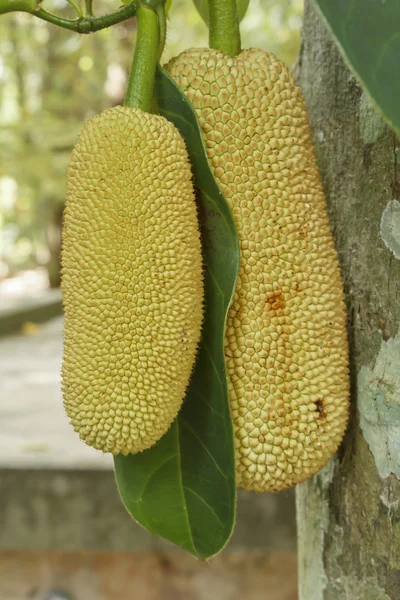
{"x": 132, "y": 280}
{"x": 286, "y": 343}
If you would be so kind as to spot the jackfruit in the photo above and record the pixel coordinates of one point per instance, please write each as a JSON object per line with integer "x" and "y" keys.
{"x": 286, "y": 343}
{"x": 132, "y": 280}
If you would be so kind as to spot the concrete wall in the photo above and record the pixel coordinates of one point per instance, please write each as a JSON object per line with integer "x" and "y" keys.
{"x": 81, "y": 510}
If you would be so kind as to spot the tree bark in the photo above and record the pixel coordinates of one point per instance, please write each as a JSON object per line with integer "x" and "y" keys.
{"x": 349, "y": 514}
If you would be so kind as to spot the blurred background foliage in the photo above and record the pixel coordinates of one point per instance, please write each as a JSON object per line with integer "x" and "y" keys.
{"x": 52, "y": 80}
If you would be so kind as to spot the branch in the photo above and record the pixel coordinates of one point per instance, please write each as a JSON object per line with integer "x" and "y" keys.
{"x": 89, "y": 24}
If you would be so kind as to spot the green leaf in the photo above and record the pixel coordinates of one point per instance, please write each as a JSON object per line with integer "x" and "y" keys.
{"x": 183, "y": 488}
{"x": 368, "y": 34}
{"x": 202, "y": 7}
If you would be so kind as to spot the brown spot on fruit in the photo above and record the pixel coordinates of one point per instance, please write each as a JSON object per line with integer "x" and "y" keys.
{"x": 276, "y": 300}
{"x": 320, "y": 406}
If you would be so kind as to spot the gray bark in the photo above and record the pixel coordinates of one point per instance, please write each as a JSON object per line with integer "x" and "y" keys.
{"x": 349, "y": 514}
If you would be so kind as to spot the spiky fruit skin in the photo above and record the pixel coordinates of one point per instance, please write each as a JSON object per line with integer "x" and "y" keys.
{"x": 286, "y": 343}
{"x": 132, "y": 280}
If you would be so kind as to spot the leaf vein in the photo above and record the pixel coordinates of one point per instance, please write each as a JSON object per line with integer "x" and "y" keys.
{"x": 212, "y": 511}
{"x": 193, "y": 432}
{"x": 159, "y": 466}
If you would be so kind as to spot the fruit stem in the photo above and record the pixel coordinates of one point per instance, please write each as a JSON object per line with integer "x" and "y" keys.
{"x": 162, "y": 27}
{"x": 139, "y": 93}
{"x": 224, "y": 26}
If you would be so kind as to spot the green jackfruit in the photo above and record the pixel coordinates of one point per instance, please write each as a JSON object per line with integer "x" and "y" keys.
{"x": 286, "y": 343}
{"x": 131, "y": 278}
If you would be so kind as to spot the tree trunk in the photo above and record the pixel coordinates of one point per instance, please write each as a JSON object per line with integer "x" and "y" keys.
{"x": 349, "y": 514}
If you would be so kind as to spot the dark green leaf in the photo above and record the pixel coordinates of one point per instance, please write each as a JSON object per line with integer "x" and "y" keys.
{"x": 368, "y": 34}
{"x": 202, "y": 7}
{"x": 183, "y": 488}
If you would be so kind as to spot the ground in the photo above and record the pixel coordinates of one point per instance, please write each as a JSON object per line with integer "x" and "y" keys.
{"x": 63, "y": 527}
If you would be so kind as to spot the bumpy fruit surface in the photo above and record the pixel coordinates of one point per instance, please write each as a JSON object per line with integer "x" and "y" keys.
{"x": 132, "y": 280}
{"x": 286, "y": 343}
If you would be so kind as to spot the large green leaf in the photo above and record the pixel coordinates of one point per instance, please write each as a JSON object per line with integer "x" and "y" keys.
{"x": 183, "y": 488}
{"x": 202, "y": 7}
{"x": 368, "y": 34}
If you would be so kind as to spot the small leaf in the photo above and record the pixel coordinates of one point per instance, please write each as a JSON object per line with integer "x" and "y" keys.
{"x": 368, "y": 35}
{"x": 202, "y": 7}
{"x": 183, "y": 488}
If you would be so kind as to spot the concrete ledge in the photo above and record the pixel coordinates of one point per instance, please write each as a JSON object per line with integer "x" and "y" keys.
{"x": 81, "y": 510}
{"x": 38, "y": 309}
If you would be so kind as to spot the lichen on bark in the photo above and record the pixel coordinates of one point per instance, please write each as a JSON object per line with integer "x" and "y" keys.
{"x": 349, "y": 522}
